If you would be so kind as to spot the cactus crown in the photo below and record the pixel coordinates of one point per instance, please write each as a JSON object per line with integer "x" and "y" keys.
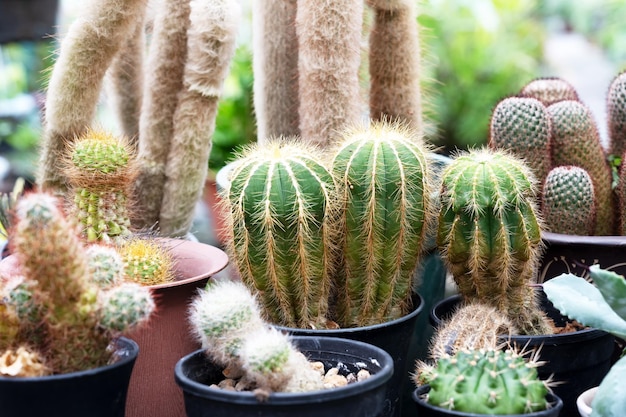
{"x": 491, "y": 382}
{"x": 549, "y": 90}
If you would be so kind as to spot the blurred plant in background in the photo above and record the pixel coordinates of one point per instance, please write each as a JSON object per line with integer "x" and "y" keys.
{"x": 478, "y": 52}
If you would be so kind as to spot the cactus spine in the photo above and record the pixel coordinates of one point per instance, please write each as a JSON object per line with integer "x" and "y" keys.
{"x": 281, "y": 214}
{"x": 69, "y": 306}
{"x": 616, "y": 115}
{"x": 383, "y": 174}
{"x": 490, "y": 382}
{"x": 100, "y": 168}
{"x": 489, "y": 234}
{"x": 549, "y": 90}
{"x": 146, "y": 262}
{"x": 568, "y": 202}
{"x": 576, "y": 141}
{"x": 522, "y": 125}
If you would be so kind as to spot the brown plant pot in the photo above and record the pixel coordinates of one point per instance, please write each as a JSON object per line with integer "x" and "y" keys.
{"x": 152, "y": 391}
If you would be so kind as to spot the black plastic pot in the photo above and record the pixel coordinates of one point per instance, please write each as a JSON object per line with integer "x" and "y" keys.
{"x": 427, "y": 410}
{"x": 576, "y": 360}
{"x": 394, "y": 337}
{"x": 99, "y": 392}
{"x": 194, "y": 373}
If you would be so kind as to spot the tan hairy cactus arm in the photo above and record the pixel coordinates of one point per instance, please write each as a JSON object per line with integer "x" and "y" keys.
{"x": 212, "y": 36}
{"x": 86, "y": 52}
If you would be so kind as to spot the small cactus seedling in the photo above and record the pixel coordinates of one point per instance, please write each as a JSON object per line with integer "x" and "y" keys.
{"x": 490, "y": 382}
{"x": 146, "y": 261}
{"x": 568, "y": 202}
{"x": 489, "y": 234}
{"x": 549, "y": 90}
{"x": 280, "y": 207}
{"x": 100, "y": 168}
{"x": 57, "y": 300}
{"x": 383, "y": 177}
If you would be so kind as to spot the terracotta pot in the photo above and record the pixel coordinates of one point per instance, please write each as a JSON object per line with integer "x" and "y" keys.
{"x": 152, "y": 391}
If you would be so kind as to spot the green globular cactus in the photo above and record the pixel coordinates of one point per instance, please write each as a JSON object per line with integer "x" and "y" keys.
{"x": 105, "y": 265}
{"x": 383, "y": 177}
{"x": 549, "y": 90}
{"x": 490, "y": 382}
{"x": 280, "y": 208}
{"x": 489, "y": 234}
{"x": 125, "y": 307}
{"x": 146, "y": 261}
{"x": 576, "y": 141}
{"x": 57, "y": 299}
{"x": 522, "y": 125}
{"x": 100, "y": 168}
{"x": 616, "y": 115}
{"x": 226, "y": 319}
{"x": 568, "y": 202}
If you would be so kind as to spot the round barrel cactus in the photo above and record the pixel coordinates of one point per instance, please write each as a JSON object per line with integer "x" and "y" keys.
{"x": 383, "y": 175}
{"x": 281, "y": 203}
{"x": 489, "y": 233}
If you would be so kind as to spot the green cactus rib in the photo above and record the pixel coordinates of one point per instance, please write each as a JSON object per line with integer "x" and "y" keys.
{"x": 383, "y": 175}
{"x": 283, "y": 231}
{"x": 489, "y": 233}
{"x": 490, "y": 382}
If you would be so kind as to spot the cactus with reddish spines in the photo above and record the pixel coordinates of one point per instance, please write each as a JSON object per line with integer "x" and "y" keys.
{"x": 281, "y": 206}
{"x": 146, "y": 262}
{"x": 490, "y": 382}
{"x": 549, "y": 90}
{"x": 522, "y": 126}
{"x": 58, "y": 289}
{"x": 568, "y": 202}
{"x": 616, "y": 115}
{"x": 576, "y": 141}
{"x": 384, "y": 181}
{"x": 489, "y": 234}
{"x": 100, "y": 168}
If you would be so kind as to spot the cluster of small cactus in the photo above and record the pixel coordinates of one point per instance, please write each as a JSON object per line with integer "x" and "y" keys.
{"x": 57, "y": 311}
{"x": 548, "y": 126}
{"x": 489, "y": 234}
{"x": 227, "y": 321}
{"x": 598, "y": 304}
{"x": 304, "y": 222}
{"x": 485, "y": 381}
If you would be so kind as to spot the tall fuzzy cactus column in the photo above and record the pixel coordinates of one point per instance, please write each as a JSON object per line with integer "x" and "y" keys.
{"x": 275, "y": 61}
{"x": 281, "y": 212}
{"x": 394, "y": 62}
{"x": 86, "y": 52}
{"x": 489, "y": 234}
{"x": 211, "y": 46}
{"x": 616, "y": 114}
{"x": 329, "y": 55}
{"x": 383, "y": 174}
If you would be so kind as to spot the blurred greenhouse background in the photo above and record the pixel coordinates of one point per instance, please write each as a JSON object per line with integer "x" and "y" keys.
{"x": 476, "y": 52}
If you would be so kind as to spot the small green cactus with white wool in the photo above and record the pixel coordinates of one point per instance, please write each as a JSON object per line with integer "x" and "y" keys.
{"x": 226, "y": 319}
{"x": 489, "y": 234}
{"x": 599, "y": 304}
{"x": 56, "y": 297}
{"x": 489, "y": 381}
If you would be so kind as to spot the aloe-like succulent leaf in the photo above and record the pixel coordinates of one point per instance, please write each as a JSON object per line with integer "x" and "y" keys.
{"x": 610, "y": 399}
{"x": 613, "y": 288}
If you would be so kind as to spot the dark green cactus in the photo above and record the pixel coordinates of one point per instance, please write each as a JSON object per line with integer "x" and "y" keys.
{"x": 489, "y": 234}
{"x": 100, "y": 169}
{"x": 568, "y": 202}
{"x": 383, "y": 175}
{"x": 281, "y": 212}
{"x": 549, "y": 90}
{"x": 522, "y": 125}
{"x": 576, "y": 141}
{"x": 490, "y": 382}
{"x": 616, "y": 115}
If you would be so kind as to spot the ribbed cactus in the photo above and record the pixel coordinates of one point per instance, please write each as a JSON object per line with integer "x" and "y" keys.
{"x": 490, "y": 382}
{"x": 146, "y": 261}
{"x": 522, "y": 125}
{"x": 383, "y": 175}
{"x": 100, "y": 168}
{"x": 549, "y": 90}
{"x": 281, "y": 205}
{"x": 576, "y": 141}
{"x": 58, "y": 291}
{"x": 489, "y": 233}
{"x": 568, "y": 202}
{"x": 616, "y": 115}
{"x": 227, "y": 321}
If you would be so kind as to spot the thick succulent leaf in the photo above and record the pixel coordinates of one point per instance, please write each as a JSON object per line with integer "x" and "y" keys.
{"x": 580, "y": 300}
{"x": 610, "y": 399}
{"x": 613, "y": 288}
